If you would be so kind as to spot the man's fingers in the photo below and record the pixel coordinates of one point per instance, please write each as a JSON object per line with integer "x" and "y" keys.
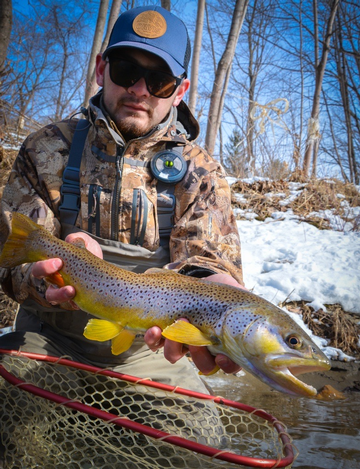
{"x": 173, "y": 351}
{"x": 226, "y": 279}
{"x": 153, "y": 338}
{"x": 201, "y": 356}
{"x": 202, "y": 359}
{"x": 64, "y": 295}
{"x": 227, "y": 365}
{"x": 90, "y": 243}
{"x": 56, "y": 296}
{"x": 43, "y": 269}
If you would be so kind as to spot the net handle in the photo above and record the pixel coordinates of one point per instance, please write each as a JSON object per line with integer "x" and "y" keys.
{"x": 144, "y": 429}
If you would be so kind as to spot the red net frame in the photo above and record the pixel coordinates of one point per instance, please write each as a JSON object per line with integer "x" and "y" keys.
{"x": 228, "y": 456}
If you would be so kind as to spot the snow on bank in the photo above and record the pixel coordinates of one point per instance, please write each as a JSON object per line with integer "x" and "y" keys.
{"x": 284, "y": 258}
{"x": 294, "y": 259}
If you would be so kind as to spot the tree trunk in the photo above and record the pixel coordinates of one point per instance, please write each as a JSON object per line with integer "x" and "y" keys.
{"x": 222, "y": 69}
{"x": 335, "y": 153}
{"x": 96, "y": 46}
{"x": 344, "y": 90}
{"x": 166, "y": 4}
{"x": 113, "y": 16}
{"x": 297, "y": 142}
{"x": 313, "y": 129}
{"x": 208, "y": 27}
{"x": 5, "y": 29}
{"x": 196, "y": 56}
{"x": 253, "y": 74}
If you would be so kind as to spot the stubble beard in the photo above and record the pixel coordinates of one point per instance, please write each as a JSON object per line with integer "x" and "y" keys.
{"x": 133, "y": 125}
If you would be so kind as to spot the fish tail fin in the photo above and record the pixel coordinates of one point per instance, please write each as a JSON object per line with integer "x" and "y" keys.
{"x": 15, "y": 250}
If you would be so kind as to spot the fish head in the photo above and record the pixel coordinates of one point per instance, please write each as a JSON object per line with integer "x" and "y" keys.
{"x": 274, "y": 348}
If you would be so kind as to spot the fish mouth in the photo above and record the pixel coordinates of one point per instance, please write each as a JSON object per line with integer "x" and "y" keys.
{"x": 285, "y": 370}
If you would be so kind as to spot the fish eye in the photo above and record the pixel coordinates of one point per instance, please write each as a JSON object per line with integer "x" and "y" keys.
{"x": 293, "y": 341}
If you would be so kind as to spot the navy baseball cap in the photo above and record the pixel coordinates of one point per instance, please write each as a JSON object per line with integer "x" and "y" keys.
{"x": 156, "y": 30}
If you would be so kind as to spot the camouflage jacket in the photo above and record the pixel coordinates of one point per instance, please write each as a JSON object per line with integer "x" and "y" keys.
{"x": 117, "y": 187}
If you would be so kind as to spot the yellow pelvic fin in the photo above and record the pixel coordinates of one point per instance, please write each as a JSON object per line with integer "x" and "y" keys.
{"x": 101, "y": 330}
{"x": 186, "y": 333}
{"x": 15, "y": 251}
{"x": 122, "y": 342}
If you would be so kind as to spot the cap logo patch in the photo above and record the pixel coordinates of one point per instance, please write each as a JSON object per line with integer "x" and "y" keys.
{"x": 149, "y": 24}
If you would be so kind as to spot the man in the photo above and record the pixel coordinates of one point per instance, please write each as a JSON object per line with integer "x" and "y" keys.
{"x": 139, "y": 192}
{"x": 140, "y": 165}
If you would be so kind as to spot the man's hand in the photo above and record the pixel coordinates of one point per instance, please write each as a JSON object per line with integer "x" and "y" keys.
{"x": 48, "y": 267}
{"x": 203, "y": 359}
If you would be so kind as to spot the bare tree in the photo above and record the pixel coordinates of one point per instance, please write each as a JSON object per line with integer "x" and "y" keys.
{"x": 46, "y": 62}
{"x": 313, "y": 128}
{"x": 5, "y": 29}
{"x": 166, "y": 4}
{"x": 64, "y": 33}
{"x": 252, "y": 72}
{"x": 26, "y": 79}
{"x": 96, "y": 46}
{"x": 196, "y": 55}
{"x": 113, "y": 16}
{"x": 91, "y": 87}
{"x": 225, "y": 62}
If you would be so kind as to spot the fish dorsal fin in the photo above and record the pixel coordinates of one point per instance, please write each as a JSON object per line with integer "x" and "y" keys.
{"x": 102, "y": 330}
{"x": 79, "y": 243}
{"x": 186, "y": 333}
{"x": 122, "y": 342}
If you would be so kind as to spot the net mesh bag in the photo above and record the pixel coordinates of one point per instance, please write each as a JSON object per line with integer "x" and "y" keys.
{"x": 60, "y": 414}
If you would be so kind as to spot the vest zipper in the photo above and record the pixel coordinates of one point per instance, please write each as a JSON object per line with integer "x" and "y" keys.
{"x": 116, "y": 195}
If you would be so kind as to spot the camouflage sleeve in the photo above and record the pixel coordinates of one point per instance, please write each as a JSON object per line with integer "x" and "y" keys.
{"x": 205, "y": 236}
{"x": 32, "y": 189}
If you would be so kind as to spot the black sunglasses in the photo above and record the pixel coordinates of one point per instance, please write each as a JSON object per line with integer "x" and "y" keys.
{"x": 125, "y": 73}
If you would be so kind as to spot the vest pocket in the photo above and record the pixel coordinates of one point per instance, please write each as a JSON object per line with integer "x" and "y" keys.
{"x": 139, "y": 217}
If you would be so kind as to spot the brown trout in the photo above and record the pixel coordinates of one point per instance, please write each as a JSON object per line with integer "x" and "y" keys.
{"x": 254, "y": 333}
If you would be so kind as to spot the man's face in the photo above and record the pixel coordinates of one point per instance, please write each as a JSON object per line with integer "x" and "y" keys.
{"x": 134, "y": 110}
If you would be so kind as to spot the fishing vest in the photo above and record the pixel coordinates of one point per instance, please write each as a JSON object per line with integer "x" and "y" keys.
{"x": 70, "y": 190}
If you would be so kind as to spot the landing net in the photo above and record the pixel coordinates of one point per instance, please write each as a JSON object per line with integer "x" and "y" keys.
{"x": 56, "y": 413}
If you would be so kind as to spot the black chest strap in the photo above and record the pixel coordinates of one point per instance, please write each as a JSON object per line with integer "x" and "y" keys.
{"x": 70, "y": 189}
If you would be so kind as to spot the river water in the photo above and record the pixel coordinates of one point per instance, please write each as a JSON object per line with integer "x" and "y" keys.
{"x": 326, "y": 434}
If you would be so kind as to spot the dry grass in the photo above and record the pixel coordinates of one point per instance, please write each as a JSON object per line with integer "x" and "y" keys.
{"x": 322, "y": 195}
{"x": 313, "y": 196}
{"x": 256, "y": 198}
{"x": 342, "y": 329}
{"x": 6, "y": 161}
